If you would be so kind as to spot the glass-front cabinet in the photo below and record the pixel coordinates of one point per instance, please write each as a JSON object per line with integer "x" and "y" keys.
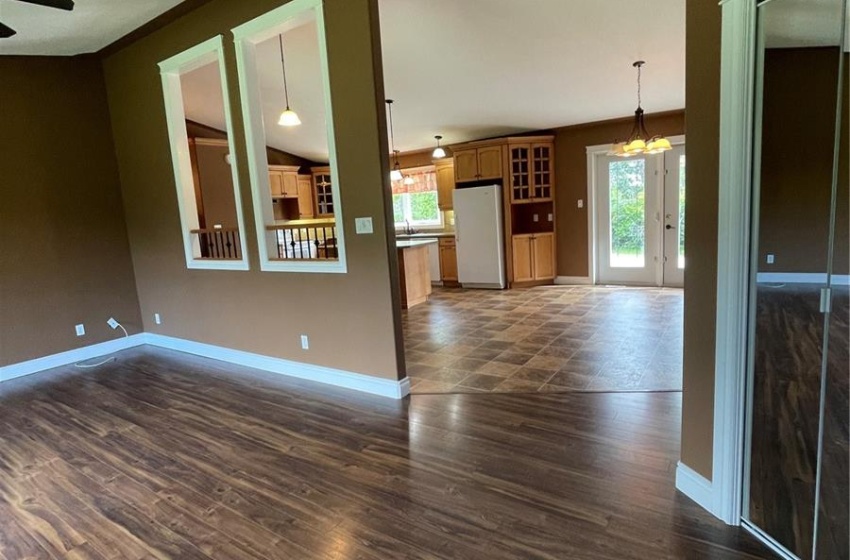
{"x": 531, "y": 172}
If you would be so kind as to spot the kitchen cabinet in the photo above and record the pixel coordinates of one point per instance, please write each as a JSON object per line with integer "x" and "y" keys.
{"x": 445, "y": 171}
{"x": 478, "y": 164}
{"x": 533, "y": 257}
{"x": 531, "y": 172}
{"x": 283, "y": 181}
{"x": 448, "y": 260}
{"x": 306, "y": 208}
{"x": 323, "y": 189}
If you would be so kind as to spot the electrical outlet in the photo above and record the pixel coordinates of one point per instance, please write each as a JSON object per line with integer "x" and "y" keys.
{"x": 551, "y": 217}
{"x": 305, "y": 342}
{"x": 536, "y": 218}
{"x": 363, "y": 225}
{"x": 80, "y": 329}
{"x": 157, "y": 319}
{"x": 112, "y": 323}
{"x": 770, "y": 258}
{"x": 580, "y": 203}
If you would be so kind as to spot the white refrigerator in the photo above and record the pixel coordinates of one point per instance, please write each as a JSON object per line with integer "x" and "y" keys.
{"x": 480, "y": 239}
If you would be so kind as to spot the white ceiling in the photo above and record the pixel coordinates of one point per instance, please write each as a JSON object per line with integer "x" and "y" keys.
{"x": 473, "y": 69}
{"x": 803, "y": 23}
{"x": 92, "y": 25}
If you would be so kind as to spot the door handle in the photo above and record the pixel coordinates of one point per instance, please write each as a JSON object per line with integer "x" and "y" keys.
{"x": 668, "y": 226}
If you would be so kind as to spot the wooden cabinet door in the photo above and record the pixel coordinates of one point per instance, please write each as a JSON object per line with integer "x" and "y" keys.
{"x": 306, "y": 208}
{"x": 490, "y": 163}
{"x": 543, "y": 255}
{"x": 448, "y": 260}
{"x": 276, "y": 183}
{"x": 522, "y": 258}
{"x": 324, "y": 192}
{"x": 290, "y": 184}
{"x": 445, "y": 184}
{"x": 520, "y": 172}
{"x": 542, "y": 177}
{"x": 466, "y": 165}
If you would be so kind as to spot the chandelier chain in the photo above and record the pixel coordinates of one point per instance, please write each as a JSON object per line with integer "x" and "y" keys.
{"x": 283, "y": 67}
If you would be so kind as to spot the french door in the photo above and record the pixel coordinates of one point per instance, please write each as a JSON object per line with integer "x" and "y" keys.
{"x": 640, "y": 219}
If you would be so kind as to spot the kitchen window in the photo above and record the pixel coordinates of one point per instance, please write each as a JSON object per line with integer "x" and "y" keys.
{"x": 415, "y": 199}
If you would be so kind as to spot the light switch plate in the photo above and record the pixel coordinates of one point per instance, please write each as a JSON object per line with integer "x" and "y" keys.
{"x": 363, "y": 225}
{"x": 580, "y": 203}
{"x": 536, "y": 218}
{"x": 770, "y": 258}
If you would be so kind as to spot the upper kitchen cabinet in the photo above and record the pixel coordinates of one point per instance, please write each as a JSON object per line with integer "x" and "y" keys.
{"x": 306, "y": 206}
{"x": 323, "y": 186}
{"x": 531, "y": 171}
{"x": 445, "y": 171}
{"x": 283, "y": 181}
{"x": 478, "y": 164}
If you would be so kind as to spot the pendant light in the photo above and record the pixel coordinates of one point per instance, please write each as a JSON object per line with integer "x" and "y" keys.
{"x": 640, "y": 142}
{"x": 288, "y": 117}
{"x": 439, "y": 152}
{"x": 395, "y": 174}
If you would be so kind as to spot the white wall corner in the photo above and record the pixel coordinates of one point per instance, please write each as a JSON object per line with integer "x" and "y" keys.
{"x": 695, "y": 486}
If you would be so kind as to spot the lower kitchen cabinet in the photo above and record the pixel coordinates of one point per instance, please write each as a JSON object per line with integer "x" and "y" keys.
{"x": 533, "y": 257}
{"x": 448, "y": 260}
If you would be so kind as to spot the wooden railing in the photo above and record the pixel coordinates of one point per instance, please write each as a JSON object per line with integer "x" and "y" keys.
{"x": 306, "y": 242}
{"x": 221, "y": 244}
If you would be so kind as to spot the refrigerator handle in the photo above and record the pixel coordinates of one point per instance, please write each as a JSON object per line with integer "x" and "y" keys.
{"x": 457, "y": 230}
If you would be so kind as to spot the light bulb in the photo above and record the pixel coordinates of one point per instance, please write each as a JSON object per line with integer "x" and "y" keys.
{"x": 289, "y": 118}
{"x": 396, "y": 175}
{"x": 658, "y": 145}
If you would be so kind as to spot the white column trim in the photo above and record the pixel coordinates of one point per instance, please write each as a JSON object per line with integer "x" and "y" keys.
{"x": 737, "y": 81}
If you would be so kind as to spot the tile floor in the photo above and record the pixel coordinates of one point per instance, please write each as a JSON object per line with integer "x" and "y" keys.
{"x": 551, "y": 338}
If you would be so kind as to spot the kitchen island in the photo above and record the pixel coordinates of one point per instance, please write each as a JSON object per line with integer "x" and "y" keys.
{"x": 413, "y": 271}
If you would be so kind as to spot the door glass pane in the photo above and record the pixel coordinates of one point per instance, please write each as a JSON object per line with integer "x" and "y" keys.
{"x": 791, "y": 259}
{"x": 627, "y": 204}
{"x": 681, "y": 259}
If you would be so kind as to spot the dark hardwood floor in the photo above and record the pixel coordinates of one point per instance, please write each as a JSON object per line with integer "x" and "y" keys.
{"x": 786, "y": 405}
{"x": 164, "y": 455}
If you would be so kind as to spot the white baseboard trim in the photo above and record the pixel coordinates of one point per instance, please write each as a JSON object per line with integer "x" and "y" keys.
{"x": 695, "y": 486}
{"x": 319, "y": 374}
{"x": 573, "y": 280}
{"x": 21, "y": 369}
{"x": 801, "y": 278}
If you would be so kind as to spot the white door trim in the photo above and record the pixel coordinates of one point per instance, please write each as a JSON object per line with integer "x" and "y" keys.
{"x": 593, "y": 153}
{"x": 737, "y": 82}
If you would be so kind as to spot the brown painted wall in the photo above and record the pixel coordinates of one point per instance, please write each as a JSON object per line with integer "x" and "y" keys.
{"x": 702, "y": 99}
{"x": 796, "y": 177}
{"x": 571, "y": 180}
{"x": 65, "y": 256}
{"x": 353, "y": 319}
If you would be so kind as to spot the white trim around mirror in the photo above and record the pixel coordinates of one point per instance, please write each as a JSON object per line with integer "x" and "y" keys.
{"x": 246, "y": 38}
{"x": 171, "y": 69}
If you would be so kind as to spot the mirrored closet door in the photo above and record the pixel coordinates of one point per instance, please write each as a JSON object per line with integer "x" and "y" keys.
{"x": 796, "y": 477}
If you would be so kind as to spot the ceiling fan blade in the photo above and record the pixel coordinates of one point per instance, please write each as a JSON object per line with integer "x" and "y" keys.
{"x": 6, "y": 31}
{"x": 60, "y": 4}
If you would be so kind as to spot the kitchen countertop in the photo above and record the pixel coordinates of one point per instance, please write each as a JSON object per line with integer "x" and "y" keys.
{"x": 425, "y": 235}
{"x": 411, "y": 243}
